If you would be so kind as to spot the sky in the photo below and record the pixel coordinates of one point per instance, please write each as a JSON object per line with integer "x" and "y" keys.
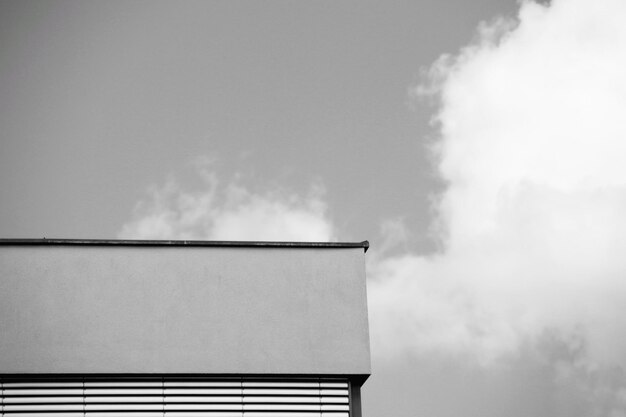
{"x": 478, "y": 146}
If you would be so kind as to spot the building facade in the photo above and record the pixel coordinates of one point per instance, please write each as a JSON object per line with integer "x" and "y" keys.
{"x": 182, "y": 328}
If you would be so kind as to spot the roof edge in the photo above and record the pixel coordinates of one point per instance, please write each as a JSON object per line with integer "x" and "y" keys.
{"x": 202, "y": 243}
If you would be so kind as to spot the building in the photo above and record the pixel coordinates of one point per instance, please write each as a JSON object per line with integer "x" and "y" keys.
{"x": 182, "y": 328}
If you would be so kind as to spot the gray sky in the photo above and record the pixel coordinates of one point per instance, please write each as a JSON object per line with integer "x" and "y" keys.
{"x": 496, "y": 272}
{"x": 101, "y": 99}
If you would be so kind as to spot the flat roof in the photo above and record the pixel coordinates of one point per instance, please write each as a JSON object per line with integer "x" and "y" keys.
{"x": 208, "y": 243}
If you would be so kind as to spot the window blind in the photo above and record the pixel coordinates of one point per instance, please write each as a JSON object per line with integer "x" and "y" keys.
{"x": 174, "y": 397}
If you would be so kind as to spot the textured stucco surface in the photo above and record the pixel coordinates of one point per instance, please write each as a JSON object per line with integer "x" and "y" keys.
{"x": 103, "y": 309}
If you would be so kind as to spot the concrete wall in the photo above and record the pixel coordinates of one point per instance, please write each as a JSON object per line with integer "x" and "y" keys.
{"x": 173, "y": 309}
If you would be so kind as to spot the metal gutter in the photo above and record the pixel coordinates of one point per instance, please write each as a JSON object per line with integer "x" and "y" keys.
{"x": 193, "y": 243}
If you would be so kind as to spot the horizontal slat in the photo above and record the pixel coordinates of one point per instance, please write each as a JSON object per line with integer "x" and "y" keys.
{"x": 123, "y": 391}
{"x": 45, "y": 414}
{"x": 204, "y": 414}
{"x": 124, "y": 399}
{"x": 282, "y": 414}
{"x": 42, "y": 407}
{"x": 201, "y": 399}
{"x": 9, "y": 385}
{"x": 106, "y": 407}
{"x": 208, "y": 406}
{"x": 201, "y": 384}
{"x": 343, "y": 385}
{"x": 279, "y": 399}
{"x": 117, "y": 414}
{"x": 39, "y": 391}
{"x": 202, "y": 391}
{"x": 334, "y": 392}
{"x": 174, "y": 397}
{"x": 335, "y": 407}
{"x": 263, "y": 391}
{"x": 135, "y": 384}
{"x": 35, "y": 400}
{"x": 282, "y": 407}
{"x": 278, "y": 384}
{"x": 335, "y": 399}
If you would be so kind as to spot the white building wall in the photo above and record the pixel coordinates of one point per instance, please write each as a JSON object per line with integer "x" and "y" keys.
{"x": 181, "y": 309}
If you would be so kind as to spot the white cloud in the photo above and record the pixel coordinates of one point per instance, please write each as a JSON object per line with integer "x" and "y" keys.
{"x": 228, "y": 212}
{"x": 532, "y": 148}
{"x": 532, "y": 121}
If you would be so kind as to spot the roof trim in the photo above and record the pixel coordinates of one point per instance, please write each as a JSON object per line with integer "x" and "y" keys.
{"x": 203, "y": 243}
